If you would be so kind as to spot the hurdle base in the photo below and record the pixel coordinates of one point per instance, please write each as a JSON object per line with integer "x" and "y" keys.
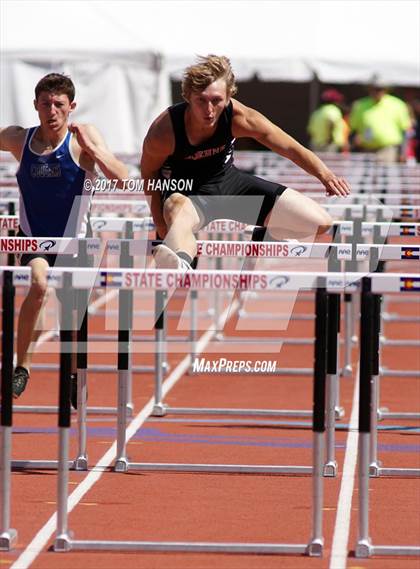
{"x": 374, "y": 468}
{"x": 330, "y": 469}
{"x": 62, "y": 543}
{"x": 364, "y": 548}
{"x": 191, "y": 547}
{"x": 381, "y": 413}
{"x": 387, "y": 372}
{"x": 389, "y": 550}
{"x": 347, "y": 371}
{"x": 159, "y": 410}
{"x": 384, "y": 471}
{"x": 403, "y": 416}
{"x": 221, "y": 468}
{"x": 315, "y": 548}
{"x": 38, "y": 464}
{"x": 8, "y": 539}
{"x": 81, "y": 463}
{"x": 121, "y": 465}
{"x": 167, "y": 410}
{"x": 339, "y": 413}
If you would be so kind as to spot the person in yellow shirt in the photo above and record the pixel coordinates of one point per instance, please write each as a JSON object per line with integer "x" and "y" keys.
{"x": 379, "y": 123}
{"x": 326, "y": 125}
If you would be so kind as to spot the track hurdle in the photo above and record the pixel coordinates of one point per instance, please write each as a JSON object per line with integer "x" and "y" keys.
{"x": 167, "y": 279}
{"x": 376, "y": 468}
{"x": 21, "y": 276}
{"x": 368, "y": 330}
{"x": 293, "y": 280}
{"x": 83, "y": 248}
{"x": 316, "y": 250}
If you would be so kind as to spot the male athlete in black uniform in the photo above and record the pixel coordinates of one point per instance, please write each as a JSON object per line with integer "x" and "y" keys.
{"x": 194, "y": 140}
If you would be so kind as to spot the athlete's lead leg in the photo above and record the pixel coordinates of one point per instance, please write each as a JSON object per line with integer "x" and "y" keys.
{"x": 182, "y": 221}
{"x": 296, "y": 216}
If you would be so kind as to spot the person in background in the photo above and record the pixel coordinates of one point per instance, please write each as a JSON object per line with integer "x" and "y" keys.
{"x": 379, "y": 123}
{"x": 326, "y": 126}
{"x": 412, "y": 98}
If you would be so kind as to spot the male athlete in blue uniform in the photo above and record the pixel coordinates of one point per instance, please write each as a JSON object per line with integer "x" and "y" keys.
{"x": 55, "y": 160}
{"x": 194, "y": 140}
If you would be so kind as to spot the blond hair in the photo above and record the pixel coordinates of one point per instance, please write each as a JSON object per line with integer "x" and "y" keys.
{"x": 208, "y": 69}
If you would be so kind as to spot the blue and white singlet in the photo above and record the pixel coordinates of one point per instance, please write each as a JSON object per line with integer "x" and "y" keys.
{"x": 53, "y": 199}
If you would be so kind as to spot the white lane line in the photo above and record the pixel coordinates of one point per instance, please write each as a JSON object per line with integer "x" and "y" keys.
{"x": 339, "y": 550}
{"x": 38, "y": 543}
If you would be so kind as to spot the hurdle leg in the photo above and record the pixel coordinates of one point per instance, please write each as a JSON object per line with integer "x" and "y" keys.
{"x": 218, "y": 295}
{"x": 338, "y": 409}
{"x": 334, "y": 315}
{"x": 348, "y": 334}
{"x": 373, "y": 443}
{"x": 62, "y": 541}
{"x": 374, "y": 462}
{"x": 356, "y": 316}
{"x": 8, "y": 536}
{"x": 121, "y": 461}
{"x": 382, "y": 411}
{"x": 159, "y": 408}
{"x": 127, "y": 261}
{"x": 125, "y": 322}
{"x": 81, "y": 462}
{"x": 330, "y": 468}
{"x": 351, "y": 311}
{"x": 364, "y": 544}
{"x": 194, "y": 327}
{"x": 316, "y": 544}
{"x": 130, "y": 405}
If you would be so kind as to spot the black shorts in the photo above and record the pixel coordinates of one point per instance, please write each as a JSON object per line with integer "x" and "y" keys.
{"x": 234, "y": 195}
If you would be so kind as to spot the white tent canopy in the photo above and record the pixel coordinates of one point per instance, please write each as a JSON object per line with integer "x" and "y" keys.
{"x": 277, "y": 39}
{"x": 122, "y": 54}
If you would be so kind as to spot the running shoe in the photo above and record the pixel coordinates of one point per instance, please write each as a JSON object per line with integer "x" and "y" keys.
{"x": 165, "y": 258}
{"x": 19, "y": 381}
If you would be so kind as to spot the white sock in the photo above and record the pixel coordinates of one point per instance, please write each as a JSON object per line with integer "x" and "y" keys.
{"x": 183, "y": 265}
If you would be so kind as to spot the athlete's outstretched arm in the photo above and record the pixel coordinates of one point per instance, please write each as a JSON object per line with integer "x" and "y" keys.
{"x": 248, "y": 122}
{"x": 92, "y": 143}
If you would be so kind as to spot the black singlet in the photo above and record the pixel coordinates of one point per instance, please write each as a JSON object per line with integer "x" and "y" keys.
{"x": 202, "y": 162}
